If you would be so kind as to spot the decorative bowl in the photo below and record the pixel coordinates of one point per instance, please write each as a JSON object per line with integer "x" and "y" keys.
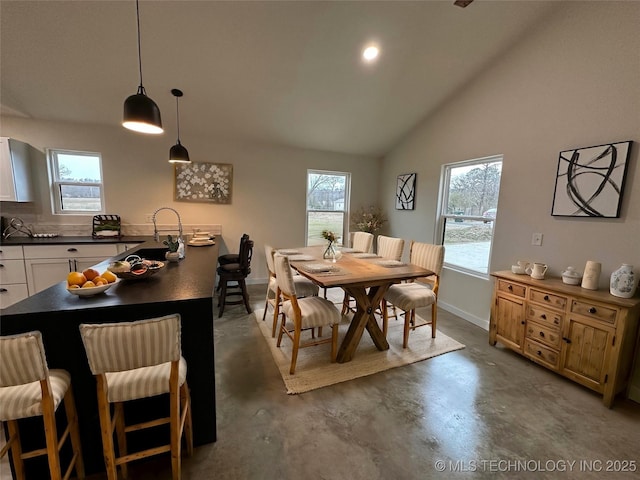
{"x": 90, "y": 291}
{"x": 153, "y": 266}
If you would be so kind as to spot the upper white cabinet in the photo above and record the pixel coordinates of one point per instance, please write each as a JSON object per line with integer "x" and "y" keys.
{"x": 15, "y": 174}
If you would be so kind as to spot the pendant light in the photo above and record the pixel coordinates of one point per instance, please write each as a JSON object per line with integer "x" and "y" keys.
{"x": 141, "y": 114}
{"x": 178, "y": 154}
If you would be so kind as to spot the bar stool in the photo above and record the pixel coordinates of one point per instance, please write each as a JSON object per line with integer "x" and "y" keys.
{"x": 29, "y": 389}
{"x": 133, "y": 360}
{"x": 238, "y": 273}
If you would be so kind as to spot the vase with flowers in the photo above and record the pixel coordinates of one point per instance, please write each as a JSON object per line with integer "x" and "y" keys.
{"x": 331, "y": 252}
{"x": 369, "y": 219}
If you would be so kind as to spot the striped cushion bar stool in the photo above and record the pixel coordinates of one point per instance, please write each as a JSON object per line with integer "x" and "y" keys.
{"x": 133, "y": 360}
{"x": 29, "y": 389}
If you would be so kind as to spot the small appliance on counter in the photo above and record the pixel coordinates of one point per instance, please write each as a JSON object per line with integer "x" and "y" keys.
{"x": 106, "y": 226}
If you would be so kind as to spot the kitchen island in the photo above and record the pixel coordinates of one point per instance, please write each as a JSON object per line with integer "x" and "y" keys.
{"x": 186, "y": 287}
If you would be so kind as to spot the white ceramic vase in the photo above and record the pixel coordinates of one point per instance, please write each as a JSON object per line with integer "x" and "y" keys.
{"x": 591, "y": 275}
{"x": 623, "y": 282}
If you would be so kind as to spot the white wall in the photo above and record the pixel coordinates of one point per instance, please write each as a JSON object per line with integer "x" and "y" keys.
{"x": 573, "y": 82}
{"x": 269, "y": 182}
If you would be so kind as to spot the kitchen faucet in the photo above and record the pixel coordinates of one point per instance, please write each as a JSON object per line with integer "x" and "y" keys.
{"x": 156, "y": 234}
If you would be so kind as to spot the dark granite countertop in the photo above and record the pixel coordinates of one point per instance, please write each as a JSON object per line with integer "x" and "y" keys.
{"x": 191, "y": 278}
{"x": 63, "y": 240}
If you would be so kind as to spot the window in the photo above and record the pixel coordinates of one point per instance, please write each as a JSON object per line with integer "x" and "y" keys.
{"x": 76, "y": 182}
{"x": 327, "y": 205}
{"x": 468, "y": 208}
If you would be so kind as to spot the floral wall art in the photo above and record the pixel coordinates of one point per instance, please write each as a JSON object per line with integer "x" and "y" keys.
{"x": 590, "y": 181}
{"x": 203, "y": 182}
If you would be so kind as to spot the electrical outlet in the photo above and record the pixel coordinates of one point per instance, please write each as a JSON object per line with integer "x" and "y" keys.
{"x": 536, "y": 239}
{"x": 148, "y": 217}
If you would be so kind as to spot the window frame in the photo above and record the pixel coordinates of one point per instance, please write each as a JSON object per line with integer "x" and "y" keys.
{"x": 347, "y": 202}
{"x": 442, "y": 217}
{"x": 55, "y": 183}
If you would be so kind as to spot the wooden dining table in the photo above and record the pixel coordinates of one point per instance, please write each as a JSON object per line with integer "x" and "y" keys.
{"x": 366, "y": 278}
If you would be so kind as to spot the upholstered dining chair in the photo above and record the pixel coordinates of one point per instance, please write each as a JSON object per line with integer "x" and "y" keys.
{"x": 302, "y": 313}
{"x": 362, "y": 242}
{"x": 29, "y": 389}
{"x": 238, "y": 273}
{"x": 304, "y": 288}
{"x": 134, "y": 360}
{"x": 389, "y": 248}
{"x": 409, "y": 296}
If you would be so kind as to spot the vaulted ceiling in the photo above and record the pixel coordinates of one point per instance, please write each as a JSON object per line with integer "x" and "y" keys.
{"x": 283, "y": 72}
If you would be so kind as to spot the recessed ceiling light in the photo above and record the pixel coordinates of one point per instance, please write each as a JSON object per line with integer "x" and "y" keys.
{"x": 370, "y": 53}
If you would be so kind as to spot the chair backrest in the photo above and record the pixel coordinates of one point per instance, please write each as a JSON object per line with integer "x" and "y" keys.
{"x": 243, "y": 238}
{"x": 429, "y": 256}
{"x": 362, "y": 241}
{"x": 390, "y": 248}
{"x": 268, "y": 253}
{"x": 246, "y": 252}
{"x": 22, "y": 359}
{"x": 284, "y": 275}
{"x": 116, "y": 347}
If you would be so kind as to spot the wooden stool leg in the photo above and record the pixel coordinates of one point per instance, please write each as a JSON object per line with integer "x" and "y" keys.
{"x": 74, "y": 432}
{"x": 104, "y": 411}
{"x": 174, "y": 422}
{"x": 407, "y": 322}
{"x": 245, "y": 294}
{"x": 434, "y": 315}
{"x": 50, "y": 432}
{"x": 185, "y": 399}
{"x": 118, "y": 415}
{"x": 222, "y": 296}
{"x": 16, "y": 449}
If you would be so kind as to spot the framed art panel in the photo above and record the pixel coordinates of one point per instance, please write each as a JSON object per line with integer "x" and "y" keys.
{"x": 203, "y": 182}
{"x": 406, "y": 191}
{"x": 590, "y": 181}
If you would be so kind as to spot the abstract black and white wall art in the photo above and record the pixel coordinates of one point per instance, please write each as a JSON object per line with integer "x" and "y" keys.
{"x": 590, "y": 181}
{"x": 406, "y": 191}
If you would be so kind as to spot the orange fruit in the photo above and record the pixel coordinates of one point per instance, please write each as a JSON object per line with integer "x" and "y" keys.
{"x": 74, "y": 286}
{"x": 90, "y": 273}
{"x": 100, "y": 281}
{"x": 109, "y": 276}
{"x": 88, "y": 284}
{"x": 76, "y": 278}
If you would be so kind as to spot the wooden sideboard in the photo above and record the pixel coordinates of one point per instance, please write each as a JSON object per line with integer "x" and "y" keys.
{"x": 585, "y": 335}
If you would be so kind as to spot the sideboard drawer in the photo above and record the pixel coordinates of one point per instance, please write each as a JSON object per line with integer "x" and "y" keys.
{"x": 12, "y": 271}
{"x": 543, "y": 315}
{"x": 594, "y": 311}
{"x": 512, "y": 288}
{"x": 541, "y": 354}
{"x": 548, "y": 336}
{"x": 546, "y": 298}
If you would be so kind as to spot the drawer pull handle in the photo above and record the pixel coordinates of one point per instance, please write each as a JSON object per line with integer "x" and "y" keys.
{"x": 510, "y": 287}
{"x": 72, "y": 249}
{"x": 556, "y": 321}
{"x": 543, "y": 316}
{"x": 546, "y": 297}
{"x": 568, "y": 340}
{"x": 542, "y": 334}
{"x": 1, "y": 265}
{"x": 522, "y": 322}
{"x": 539, "y": 353}
{"x": 592, "y": 310}
{"x": 3, "y": 290}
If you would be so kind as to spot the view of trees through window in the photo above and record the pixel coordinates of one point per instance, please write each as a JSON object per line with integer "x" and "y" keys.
{"x": 327, "y": 204}
{"x": 77, "y": 181}
{"x": 471, "y": 197}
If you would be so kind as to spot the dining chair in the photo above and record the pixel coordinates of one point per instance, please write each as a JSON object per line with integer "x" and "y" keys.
{"x": 389, "y": 248}
{"x": 29, "y": 389}
{"x": 135, "y": 360}
{"x": 409, "y": 296}
{"x": 304, "y": 288}
{"x": 362, "y": 242}
{"x": 238, "y": 273}
{"x": 302, "y": 313}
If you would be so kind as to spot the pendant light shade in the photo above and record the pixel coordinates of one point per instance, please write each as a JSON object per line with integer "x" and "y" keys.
{"x": 178, "y": 154}
{"x": 141, "y": 114}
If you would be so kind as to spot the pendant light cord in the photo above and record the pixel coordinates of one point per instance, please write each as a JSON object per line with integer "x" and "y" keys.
{"x": 178, "y": 118}
{"x": 141, "y": 88}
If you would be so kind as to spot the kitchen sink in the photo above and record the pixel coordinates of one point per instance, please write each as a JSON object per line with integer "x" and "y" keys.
{"x": 151, "y": 253}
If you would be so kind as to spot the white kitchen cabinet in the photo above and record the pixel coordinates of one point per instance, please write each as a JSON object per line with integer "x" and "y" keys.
{"x": 13, "y": 281}
{"x": 47, "y": 265}
{"x": 15, "y": 171}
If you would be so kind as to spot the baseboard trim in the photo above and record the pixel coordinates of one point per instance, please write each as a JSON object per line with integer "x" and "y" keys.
{"x": 480, "y": 322}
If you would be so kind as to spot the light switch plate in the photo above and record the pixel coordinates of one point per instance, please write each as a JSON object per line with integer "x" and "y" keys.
{"x": 536, "y": 239}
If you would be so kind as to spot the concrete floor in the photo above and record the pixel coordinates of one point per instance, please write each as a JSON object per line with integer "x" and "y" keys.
{"x": 479, "y": 412}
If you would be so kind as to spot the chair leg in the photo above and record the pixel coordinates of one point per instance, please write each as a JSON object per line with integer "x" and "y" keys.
{"x": 74, "y": 431}
{"x": 118, "y": 416}
{"x": 222, "y": 297}
{"x": 408, "y": 320}
{"x": 385, "y": 318}
{"x": 16, "y": 449}
{"x": 334, "y": 342}
{"x": 174, "y": 421}
{"x": 345, "y": 304}
{"x": 434, "y": 316}
{"x": 245, "y": 295}
{"x": 294, "y": 351}
{"x": 185, "y": 399}
{"x": 104, "y": 412}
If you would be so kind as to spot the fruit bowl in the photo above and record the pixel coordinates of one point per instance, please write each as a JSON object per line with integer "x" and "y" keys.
{"x": 90, "y": 291}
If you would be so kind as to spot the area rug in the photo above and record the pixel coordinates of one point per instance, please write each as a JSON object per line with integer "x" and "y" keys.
{"x": 314, "y": 370}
